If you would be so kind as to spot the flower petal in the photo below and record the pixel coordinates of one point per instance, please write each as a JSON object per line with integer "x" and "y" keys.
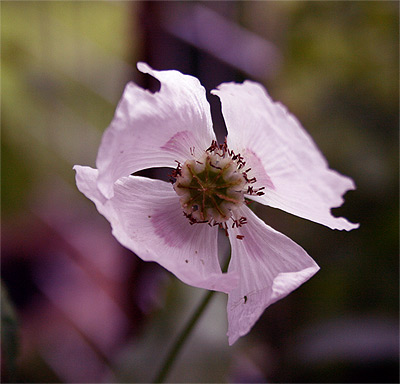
{"x": 270, "y": 267}
{"x": 302, "y": 182}
{"x": 154, "y": 129}
{"x": 146, "y": 217}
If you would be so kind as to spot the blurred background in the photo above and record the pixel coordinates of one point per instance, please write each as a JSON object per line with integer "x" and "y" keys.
{"x": 77, "y": 306}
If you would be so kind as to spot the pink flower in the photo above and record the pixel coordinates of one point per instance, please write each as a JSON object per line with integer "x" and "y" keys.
{"x": 267, "y": 157}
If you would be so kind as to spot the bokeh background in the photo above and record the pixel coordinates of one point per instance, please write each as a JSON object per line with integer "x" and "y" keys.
{"x": 78, "y": 307}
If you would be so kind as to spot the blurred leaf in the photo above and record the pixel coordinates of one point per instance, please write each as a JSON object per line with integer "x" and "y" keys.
{"x": 9, "y": 334}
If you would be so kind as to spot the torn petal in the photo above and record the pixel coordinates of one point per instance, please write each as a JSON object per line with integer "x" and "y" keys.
{"x": 154, "y": 129}
{"x": 303, "y": 183}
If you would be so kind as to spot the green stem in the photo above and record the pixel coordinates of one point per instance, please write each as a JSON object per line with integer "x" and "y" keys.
{"x": 180, "y": 341}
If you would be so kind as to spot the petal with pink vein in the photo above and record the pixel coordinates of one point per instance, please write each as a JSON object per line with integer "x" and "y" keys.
{"x": 303, "y": 183}
{"x": 270, "y": 266}
{"x": 154, "y": 129}
{"x": 146, "y": 217}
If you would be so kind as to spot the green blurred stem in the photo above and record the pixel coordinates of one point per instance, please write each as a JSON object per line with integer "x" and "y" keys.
{"x": 182, "y": 337}
{"x": 185, "y": 333}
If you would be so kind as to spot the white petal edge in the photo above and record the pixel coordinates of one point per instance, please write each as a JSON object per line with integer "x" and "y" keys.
{"x": 154, "y": 129}
{"x": 270, "y": 266}
{"x": 303, "y": 184}
{"x": 146, "y": 217}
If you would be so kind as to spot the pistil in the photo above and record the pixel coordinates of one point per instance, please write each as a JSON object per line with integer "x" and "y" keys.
{"x": 212, "y": 187}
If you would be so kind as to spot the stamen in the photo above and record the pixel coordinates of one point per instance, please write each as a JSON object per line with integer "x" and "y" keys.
{"x": 212, "y": 187}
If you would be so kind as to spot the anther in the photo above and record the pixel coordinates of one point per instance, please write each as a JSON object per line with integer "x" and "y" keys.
{"x": 212, "y": 187}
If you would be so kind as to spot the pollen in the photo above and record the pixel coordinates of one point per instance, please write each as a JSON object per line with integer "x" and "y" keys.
{"x": 212, "y": 187}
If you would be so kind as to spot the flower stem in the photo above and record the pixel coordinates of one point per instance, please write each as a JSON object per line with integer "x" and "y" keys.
{"x": 182, "y": 337}
{"x": 180, "y": 340}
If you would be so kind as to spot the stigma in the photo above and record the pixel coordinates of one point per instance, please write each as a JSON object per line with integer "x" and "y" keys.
{"x": 212, "y": 187}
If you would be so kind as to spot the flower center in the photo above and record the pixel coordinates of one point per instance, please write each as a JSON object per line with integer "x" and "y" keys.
{"x": 212, "y": 187}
